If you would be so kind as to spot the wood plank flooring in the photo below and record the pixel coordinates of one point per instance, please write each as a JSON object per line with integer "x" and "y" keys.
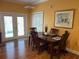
{"x": 19, "y": 49}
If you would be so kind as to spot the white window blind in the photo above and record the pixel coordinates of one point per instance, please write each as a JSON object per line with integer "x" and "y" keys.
{"x": 37, "y": 21}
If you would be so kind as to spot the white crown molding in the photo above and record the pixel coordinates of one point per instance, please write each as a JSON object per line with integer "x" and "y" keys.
{"x": 32, "y": 2}
{"x": 40, "y": 1}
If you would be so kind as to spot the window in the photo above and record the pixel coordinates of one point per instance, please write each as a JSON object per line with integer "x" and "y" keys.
{"x": 8, "y": 26}
{"x": 37, "y": 21}
{"x": 20, "y": 25}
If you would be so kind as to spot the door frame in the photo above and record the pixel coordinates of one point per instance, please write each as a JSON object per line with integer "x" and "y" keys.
{"x": 25, "y": 25}
{"x": 14, "y": 15}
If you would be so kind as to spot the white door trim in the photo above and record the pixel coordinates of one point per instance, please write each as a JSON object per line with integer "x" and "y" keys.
{"x": 14, "y": 20}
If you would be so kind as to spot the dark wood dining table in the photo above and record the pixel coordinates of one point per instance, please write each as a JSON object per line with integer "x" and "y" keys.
{"x": 52, "y": 41}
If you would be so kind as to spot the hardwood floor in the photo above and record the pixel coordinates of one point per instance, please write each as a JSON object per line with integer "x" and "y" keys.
{"x": 20, "y": 50}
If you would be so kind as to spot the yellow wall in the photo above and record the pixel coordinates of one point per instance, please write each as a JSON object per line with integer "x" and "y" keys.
{"x": 54, "y": 5}
{"x": 49, "y": 8}
{"x": 11, "y": 7}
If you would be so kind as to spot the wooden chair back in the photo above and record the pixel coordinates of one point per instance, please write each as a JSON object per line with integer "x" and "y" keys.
{"x": 34, "y": 36}
{"x": 54, "y": 31}
{"x": 63, "y": 40}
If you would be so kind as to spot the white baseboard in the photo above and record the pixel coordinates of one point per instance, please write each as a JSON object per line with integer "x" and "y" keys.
{"x": 72, "y": 51}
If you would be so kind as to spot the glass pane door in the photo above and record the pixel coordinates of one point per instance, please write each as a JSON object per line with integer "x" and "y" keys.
{"x": 20, "y": 26}
{"x": 8, "y": 24}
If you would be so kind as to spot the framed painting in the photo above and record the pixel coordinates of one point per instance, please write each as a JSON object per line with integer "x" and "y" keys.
{"x": 64, "y": 18}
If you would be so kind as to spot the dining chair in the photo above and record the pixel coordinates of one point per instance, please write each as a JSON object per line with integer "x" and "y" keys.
{"x": 63, "y": 41}
{"x": 38, "y": 43}
{"x": 60, "y": 47}
{"x": 32, "y": 29}
{"x": 54, "y": 31}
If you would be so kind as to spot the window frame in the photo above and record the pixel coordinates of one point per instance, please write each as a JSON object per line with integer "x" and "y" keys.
{"x": 42, "y": 19}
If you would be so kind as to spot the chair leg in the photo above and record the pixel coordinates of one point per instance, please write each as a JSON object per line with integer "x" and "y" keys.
{"x": 58, "y": 56}
{"x": 39, "y": 50}
{"x": 29, "y": 41}
{"x": 51, "y": 57}
{"x": 32, "y": 47}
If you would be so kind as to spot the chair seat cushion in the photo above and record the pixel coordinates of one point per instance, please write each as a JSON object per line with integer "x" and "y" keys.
{"x": 41, "y": 44}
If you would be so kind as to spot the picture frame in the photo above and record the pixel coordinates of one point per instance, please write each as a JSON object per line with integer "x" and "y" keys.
{"x": 64, "y": 18}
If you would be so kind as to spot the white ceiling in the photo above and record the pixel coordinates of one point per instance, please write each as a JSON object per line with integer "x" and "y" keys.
{"x": 26, "y": 1}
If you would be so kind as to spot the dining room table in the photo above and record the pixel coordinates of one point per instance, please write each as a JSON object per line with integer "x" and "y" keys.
{"x": 51, "y": 39}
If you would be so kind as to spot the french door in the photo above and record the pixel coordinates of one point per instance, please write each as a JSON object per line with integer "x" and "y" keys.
{"x": 8, "y": 26}
{"x": 13, "y": 26}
